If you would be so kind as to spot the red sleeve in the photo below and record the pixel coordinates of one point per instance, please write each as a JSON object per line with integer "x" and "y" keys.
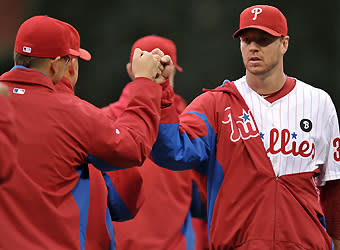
{"x": 330, "y": 200}
{"x": 115, "y": 109}
{"x": 128, "y": 140}
{"x": 7, "y": 139}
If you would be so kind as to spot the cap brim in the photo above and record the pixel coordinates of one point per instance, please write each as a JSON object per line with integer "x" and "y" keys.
{"x": 85, "y": 55}
{"x": 81, "y": 53}
{"x": 265, "y": 29}
{"x": 180, "y": 69}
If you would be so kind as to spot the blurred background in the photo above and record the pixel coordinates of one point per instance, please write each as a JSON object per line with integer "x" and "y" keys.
{"x": 202, "y": 31}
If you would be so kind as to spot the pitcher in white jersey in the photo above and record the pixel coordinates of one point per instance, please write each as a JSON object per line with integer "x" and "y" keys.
{"x": 269, "y": 146}
{"x": 297, "y": 122}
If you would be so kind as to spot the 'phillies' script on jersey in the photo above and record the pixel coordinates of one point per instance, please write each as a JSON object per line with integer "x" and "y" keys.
{"x": 279, "y": 141}
{"x": 298, "y": 128}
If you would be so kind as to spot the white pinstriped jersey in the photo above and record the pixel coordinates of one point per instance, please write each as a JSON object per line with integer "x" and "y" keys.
{"x": 300, "y": 131}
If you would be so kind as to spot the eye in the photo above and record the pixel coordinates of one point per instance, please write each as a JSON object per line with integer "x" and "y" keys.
{"x": 264, "y": 39}
{"x": 245, "y": 40}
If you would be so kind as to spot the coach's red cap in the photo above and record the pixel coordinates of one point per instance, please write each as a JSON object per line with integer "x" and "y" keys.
{"x": 43, "y": 36}
{"x": 151, "y": 42}
{"x": 263, "y": 17}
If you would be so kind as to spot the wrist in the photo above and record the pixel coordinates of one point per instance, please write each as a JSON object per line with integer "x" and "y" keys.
{"x": 144, "y": 76}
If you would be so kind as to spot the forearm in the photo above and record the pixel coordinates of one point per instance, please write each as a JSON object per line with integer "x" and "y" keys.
{"x": 128, "y": 140}
{"x": 185, "y": 141}
{"x": 180, "y": 148}
{"x": 115, "y": 109}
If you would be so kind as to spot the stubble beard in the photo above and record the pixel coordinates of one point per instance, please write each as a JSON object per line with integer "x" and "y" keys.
{"x": 261, "y": 70}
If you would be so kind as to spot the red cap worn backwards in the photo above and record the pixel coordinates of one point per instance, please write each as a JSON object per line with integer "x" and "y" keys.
{"x": 151, "y": 42}
{"x": 43, "y": 36}
{"x": 263, "y": 17}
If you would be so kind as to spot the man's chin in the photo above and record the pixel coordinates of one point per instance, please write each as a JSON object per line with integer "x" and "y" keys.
{"x": 256, "y": 70}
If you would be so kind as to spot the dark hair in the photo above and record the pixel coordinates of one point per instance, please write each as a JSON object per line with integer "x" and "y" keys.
{"x": 28, "y": 61}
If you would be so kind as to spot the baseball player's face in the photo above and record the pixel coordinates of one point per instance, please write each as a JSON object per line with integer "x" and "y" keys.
{"x": 261, "y": 52}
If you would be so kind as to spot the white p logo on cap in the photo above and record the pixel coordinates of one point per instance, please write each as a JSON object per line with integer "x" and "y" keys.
{"x": 256, "y": 11}
{"x": 27, "y": 49}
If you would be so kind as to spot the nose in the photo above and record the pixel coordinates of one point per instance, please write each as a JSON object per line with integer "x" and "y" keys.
{"x": 253, "y": 46}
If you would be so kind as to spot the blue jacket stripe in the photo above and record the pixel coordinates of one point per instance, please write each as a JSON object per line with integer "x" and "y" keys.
{"x": 188, "y": 232}
{"x": 81, "y": 194}
{"x": 118, "y": 210}
{"x": 110, "y": 229}
{"x": 215, "y": 179}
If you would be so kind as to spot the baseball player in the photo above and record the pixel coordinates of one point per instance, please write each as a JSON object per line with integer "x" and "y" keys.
{"x": 56, "y": 132}
{"x": 165, "y": 219}
{"x": 112, "y": 195}
{"x": 265, "y": 142}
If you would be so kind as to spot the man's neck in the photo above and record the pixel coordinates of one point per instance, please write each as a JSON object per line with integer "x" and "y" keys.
{"x": 266, "y": 85}
{"x": 23, "y": 67}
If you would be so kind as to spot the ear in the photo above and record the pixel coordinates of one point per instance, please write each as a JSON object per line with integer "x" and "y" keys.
{"x": 53, "y": 65}
{"x": 129, "y": 71}
{"x": 70, "y": 67}
{"x": 285, "y": 43}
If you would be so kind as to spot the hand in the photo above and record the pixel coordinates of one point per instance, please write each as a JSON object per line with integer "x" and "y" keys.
{"x": 145, "y": 64}
{"x": 3, "y": 90}
{"x": 158, "y": 54}
{"x": 166, "y": 68}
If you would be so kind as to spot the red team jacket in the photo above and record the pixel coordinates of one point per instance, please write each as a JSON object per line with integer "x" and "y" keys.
{"x": 164, "y": 221}
{"x": 40, "y": 206}
{"x": 118, "y": 192}
{"x": 248, "y": 206}
{"x": 174, "y": 231}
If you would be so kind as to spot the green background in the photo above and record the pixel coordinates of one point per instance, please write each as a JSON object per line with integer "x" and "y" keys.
{"x": 202, "y": 31}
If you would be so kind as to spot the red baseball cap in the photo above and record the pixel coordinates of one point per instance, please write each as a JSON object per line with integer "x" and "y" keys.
{"x": 43, "y": 36}
{"x": 263, "y": 17}
{"x": 151, "y": 42}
